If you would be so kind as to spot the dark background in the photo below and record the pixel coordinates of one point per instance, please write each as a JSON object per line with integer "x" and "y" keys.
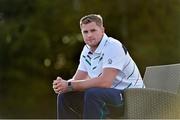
{"x": 41, "y": 39}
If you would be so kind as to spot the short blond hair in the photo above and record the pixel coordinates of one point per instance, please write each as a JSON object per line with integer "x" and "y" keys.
{"x": 92, "y": 18}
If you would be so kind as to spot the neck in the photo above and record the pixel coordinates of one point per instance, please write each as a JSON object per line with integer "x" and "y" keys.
{"x": 93, "y": 48}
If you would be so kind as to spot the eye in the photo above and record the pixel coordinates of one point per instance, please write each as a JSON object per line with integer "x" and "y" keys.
{"x": 93, "y": 30}
{"x": 85, "y": 32}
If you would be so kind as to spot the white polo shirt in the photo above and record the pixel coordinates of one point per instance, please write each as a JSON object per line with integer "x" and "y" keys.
{"x": 111, "y": 54}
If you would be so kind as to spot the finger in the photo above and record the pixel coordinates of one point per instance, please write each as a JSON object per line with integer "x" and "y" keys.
{"x": 60, "y": 92}
{"x": 59, "y": 78}
{"x": 54, "y": 87}
{"x": 55, "y": 82}
{"x": 57, "y": 85}
{"x": 57, "y": 90}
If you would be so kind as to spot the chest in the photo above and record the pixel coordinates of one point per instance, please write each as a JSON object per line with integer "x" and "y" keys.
{"x": 94, "y": 64}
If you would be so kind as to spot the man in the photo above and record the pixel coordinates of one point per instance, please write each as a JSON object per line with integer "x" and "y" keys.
{"x": 104, "y": 71}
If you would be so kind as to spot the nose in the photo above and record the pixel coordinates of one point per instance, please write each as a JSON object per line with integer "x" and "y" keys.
{"x": 89, "y": 34}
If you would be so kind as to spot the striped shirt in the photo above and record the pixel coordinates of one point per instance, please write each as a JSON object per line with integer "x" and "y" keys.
{"x": 111, "y": 54}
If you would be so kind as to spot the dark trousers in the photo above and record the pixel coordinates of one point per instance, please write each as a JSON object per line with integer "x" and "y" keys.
{"x": 93, "y": 103}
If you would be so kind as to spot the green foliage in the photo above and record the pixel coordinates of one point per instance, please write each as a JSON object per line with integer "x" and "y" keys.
{"x": 41, "y": 39}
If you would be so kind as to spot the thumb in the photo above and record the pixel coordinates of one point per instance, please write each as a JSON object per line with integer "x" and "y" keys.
{"x": 59, "y": 78}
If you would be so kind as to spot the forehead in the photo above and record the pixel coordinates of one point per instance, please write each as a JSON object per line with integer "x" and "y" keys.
{"x": 91, "y": 25}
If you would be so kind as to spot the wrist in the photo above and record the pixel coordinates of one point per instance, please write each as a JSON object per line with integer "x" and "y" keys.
{"x": 69, "y": 87}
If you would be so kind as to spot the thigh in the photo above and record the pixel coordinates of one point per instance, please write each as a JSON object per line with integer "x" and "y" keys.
{"x": 110, "y": 96}
{"x": 114, "y": 102}
{"x": 113, "y": 99}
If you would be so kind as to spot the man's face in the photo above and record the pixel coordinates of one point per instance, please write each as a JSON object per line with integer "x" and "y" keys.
{"x": 92, "y": 34}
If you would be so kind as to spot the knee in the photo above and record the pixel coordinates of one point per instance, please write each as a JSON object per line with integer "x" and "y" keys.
{"x": 60, "y": 97}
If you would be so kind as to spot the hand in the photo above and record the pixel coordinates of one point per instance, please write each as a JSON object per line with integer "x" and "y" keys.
{"x": 55, "y": 84}
{"x": 60, "y": 85}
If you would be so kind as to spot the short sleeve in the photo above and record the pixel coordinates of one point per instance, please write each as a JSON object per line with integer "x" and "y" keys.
{"x": 81, "y": 65}
{"x": 115, "y": 56}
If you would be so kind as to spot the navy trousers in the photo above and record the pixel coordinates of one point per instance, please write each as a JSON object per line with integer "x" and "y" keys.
{"x": 93, "y": 103}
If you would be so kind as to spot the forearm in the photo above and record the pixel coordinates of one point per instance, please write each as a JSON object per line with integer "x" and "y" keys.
{"x": 81, "y": 85}
{"x": 104, "y": 80}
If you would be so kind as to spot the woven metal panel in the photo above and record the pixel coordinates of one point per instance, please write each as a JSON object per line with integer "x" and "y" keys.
{"x": 165, "y": 77}
{"x": 152, "y": 104}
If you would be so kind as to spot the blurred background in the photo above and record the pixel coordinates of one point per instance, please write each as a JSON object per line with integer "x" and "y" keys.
{"x": 41, "y": 39}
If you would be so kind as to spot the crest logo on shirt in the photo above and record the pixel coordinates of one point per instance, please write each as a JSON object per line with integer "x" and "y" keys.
{"x": 109, "y": 61}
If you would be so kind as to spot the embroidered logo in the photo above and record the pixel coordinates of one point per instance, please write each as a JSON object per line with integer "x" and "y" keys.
{"x": 109, "y": 61}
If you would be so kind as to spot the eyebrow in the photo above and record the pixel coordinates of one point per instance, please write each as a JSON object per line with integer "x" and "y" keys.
{"x": 93, "y": 30}
{"x": 89, "y": 30}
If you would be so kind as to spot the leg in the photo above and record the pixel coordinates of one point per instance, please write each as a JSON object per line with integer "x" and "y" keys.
{"x": 70, "y": 105}
{"x": 97, "y": 99}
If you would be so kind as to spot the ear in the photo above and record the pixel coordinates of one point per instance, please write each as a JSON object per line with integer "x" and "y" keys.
{"x": 103, "y": 29}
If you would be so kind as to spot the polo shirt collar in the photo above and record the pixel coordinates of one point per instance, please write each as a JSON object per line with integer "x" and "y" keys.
{"x": 101, "y": 45}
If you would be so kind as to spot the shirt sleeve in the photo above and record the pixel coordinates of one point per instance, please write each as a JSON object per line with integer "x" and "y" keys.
{"x": 115, "y": 56}
{"x": 81, "y": 65}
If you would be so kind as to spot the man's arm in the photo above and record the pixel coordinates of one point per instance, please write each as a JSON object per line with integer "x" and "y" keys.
{"x": 61, "y": 85}
{"x": 103, "y": 81}
{"x": 80, "y": 75}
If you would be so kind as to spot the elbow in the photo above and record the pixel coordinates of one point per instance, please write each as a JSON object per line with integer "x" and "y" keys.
{"x": 105, "y": 83}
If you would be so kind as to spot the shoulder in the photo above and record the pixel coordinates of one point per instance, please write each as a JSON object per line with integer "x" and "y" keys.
{"x": 114, "y": 46}
{"x": 113, "y": 43}
{"x": 85, "y": 50}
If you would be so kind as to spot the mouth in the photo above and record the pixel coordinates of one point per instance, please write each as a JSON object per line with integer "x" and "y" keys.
{"x": 90, "y": 40}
